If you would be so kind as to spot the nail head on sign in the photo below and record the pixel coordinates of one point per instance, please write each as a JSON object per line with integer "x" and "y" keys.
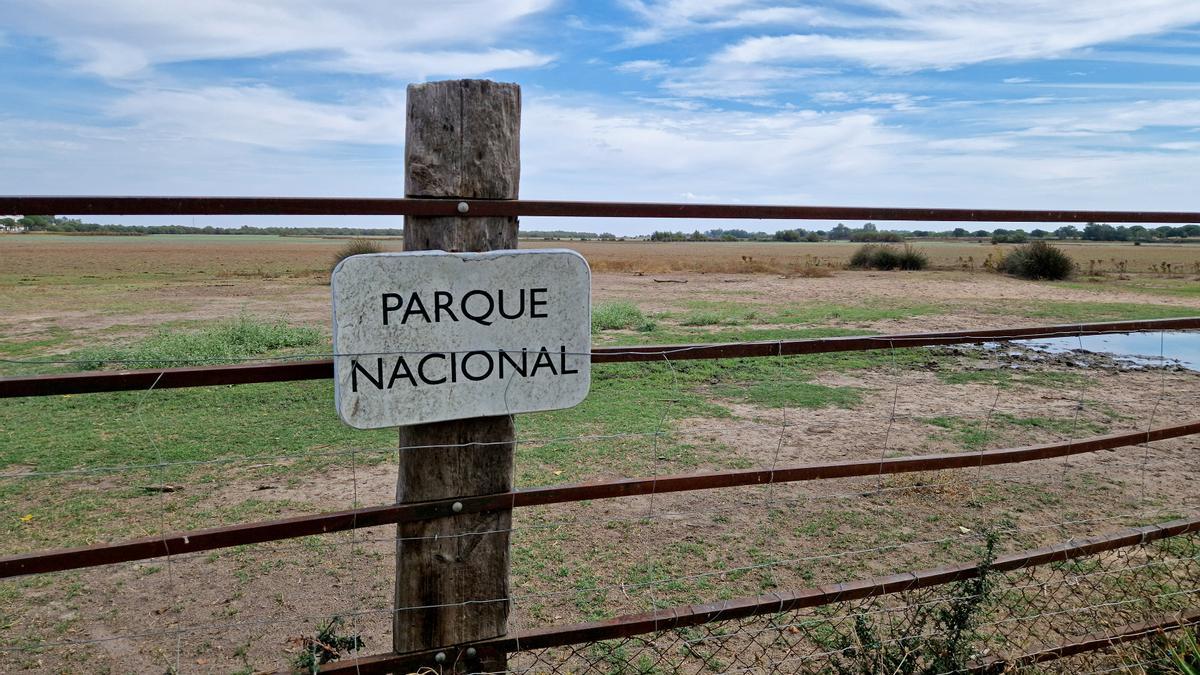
{"x": 457, "y": 507}
{"x": 463, "y": 207}
{"x": 471, "y": 652}
{"x": 440, "y": 657}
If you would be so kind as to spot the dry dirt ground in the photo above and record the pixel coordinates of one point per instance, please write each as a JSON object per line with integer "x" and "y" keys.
{"x": 81, "y": 312}
{"x": 244, "y": 609}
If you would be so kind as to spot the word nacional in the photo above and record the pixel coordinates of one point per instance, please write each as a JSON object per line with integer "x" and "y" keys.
{"x": 483, "y": 307}
{"x": 431, "y": 336}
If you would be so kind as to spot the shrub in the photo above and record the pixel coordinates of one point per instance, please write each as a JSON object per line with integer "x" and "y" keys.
{"x": 357, "y": 246}
{"x": 874, "y": 256}
{"x": 1038, "y": 260}
{"x": 912, "y": 259}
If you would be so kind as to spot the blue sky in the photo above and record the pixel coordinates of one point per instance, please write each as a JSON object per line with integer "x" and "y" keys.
{"x": 947, "y": 103}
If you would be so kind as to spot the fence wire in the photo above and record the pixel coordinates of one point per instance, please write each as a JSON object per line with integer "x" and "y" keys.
{"x": 967, "y": 626}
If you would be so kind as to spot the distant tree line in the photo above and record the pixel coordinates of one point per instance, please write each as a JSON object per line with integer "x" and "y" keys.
{"x": 566, "y": 234}
{"x": 68, "y": 225}
{"x": 868, "y": 232}
{"x": 1096, "y": 232}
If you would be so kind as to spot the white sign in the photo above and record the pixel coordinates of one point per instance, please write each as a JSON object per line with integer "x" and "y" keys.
{"x": 430, "y": 336}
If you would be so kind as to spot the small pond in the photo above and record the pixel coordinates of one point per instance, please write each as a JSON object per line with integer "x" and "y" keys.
{"x": 1176, "y": 347}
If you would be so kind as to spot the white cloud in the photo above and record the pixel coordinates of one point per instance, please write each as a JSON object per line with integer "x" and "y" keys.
{"x": 1088, "y": 120}
{"x": 898, "y": 101}
{"x": 665, "y": 19}
{"x": 909, "y": 35}
{"x": 261, "y": 116}
{"x": 642, "y": 67}
{"x": 1017, "y": 80}
{"x": 404, "y": 39}
{"x": 613, "y": 153}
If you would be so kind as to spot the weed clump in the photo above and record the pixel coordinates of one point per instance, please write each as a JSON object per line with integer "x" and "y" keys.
{"x": 230, "y": 341}
{"x": 620, "y": 315}
{"x": 938, "y": 637}
{"x": 327, "y": 646}
{"x": 875, "y": 256}
{"x": 356, "y": 246}
{"x": 1037, "y": 260}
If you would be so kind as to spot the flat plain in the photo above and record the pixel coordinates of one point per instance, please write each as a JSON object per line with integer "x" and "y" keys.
{"x": 76, "y": 470}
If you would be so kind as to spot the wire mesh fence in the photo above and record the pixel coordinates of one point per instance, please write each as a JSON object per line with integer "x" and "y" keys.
{"x": 987, "y": 622}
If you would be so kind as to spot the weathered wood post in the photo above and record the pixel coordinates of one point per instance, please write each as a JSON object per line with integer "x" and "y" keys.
{"x": 462, "y": 141}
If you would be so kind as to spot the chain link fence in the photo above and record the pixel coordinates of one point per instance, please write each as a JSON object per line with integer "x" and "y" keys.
{"x": 983, "y": 624}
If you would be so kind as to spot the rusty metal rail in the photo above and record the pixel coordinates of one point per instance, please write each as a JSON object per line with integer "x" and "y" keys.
{"x": 358, "y": 206}
{"x": 201, "y": 376}
{"x": 1093, "y": 642}
{"x": 783, "y": 601}
{"x": 253, "y": 533}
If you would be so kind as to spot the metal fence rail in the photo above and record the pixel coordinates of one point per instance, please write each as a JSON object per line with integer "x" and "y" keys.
{"x": 301, "y": 526}
{"x": 343, "y": 206}
{"x": 205, "y": 376}
{"x": 673, "y": 622}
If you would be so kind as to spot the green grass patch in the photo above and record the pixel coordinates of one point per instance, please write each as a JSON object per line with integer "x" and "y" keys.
{"x": 619, "y": 316}
{"x": 1083, "y": 312}
{"x": 1006, "y": 378}
{"x": 717, "y": 312}
{"x": 793, "y": 395}
{"x": 225, "y": 342}
{"x": 50, "y": 338}
{"x": 976, "y": 434}
{"x": 1178, "y": 288}
{"x": 968, "y": 434}
{"x": 826, "y": 313}
{"x": 1057, "y": 425}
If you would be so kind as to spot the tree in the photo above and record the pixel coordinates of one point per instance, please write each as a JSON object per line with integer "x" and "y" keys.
{"x": 981, "y": 233}
{"x": 36, "y": 223}
{"x": 1067, "y": 232}
{"x": 869, "y": 227}
{"x": 840, "y": 232}
{"x": 1039, "y": 234}
{"x": 960, "y": 232}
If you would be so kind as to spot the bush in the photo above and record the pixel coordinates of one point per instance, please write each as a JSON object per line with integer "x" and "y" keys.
{"x": 1038, "y": 260}
{"x": 874, "y": 256}
{"x": 357, "y": 246}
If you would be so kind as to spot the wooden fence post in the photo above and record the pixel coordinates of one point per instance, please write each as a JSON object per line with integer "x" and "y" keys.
{"x": 462, "y": 141}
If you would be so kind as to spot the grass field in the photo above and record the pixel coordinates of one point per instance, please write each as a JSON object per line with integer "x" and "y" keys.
{"x": 82, "y": 469}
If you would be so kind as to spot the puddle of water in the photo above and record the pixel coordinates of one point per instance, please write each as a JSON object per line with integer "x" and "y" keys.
{"x": 1177, "y": 347}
